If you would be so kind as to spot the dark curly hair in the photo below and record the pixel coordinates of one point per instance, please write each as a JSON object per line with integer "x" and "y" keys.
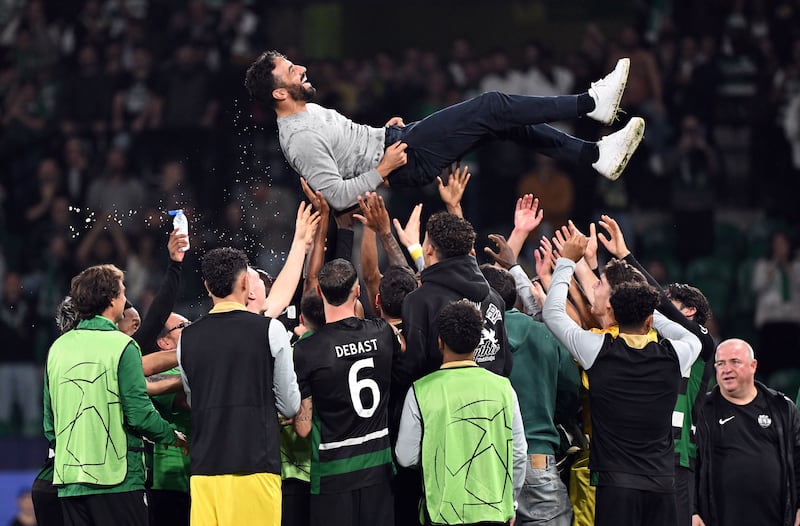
{"x": 221, "y": 267}
{"x": 93, "y": 289}
{"x": 460, "y": 324}
{"x": 395, "y": 285}
{"x": 618, "y": 271}
{"x": 633, "y": 302}
{"x": 336, "y": 279}
{"x": 259, "y": 79}
{"x": 503, "y": 282}
{"x": 689, "y": 296}
{"x": 450, "y": 235}
{"x": 312, "y": 310}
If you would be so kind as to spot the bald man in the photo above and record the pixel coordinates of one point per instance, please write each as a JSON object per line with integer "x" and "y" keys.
{"x": 748, "y": 439}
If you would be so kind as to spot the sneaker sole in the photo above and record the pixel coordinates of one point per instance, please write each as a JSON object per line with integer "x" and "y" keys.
{"x": 638, "y": 134}
{"x": 627, "y": 67}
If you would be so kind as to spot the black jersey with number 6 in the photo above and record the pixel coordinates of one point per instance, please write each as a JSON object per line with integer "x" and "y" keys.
{"x": 346, "y": 369}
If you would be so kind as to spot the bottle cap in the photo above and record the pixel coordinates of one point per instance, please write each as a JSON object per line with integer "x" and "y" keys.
{"x": 175, "y": 212}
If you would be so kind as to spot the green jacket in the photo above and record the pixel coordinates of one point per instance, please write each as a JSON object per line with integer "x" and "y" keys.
{"x": 139, "y": 417}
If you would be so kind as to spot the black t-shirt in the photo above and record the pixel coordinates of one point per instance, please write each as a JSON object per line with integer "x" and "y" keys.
{"x": 746, "y": 464}
{"x": 346, "y": 368}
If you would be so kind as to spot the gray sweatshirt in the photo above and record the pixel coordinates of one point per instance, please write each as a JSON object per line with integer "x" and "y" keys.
{"x": 336, "y": 156}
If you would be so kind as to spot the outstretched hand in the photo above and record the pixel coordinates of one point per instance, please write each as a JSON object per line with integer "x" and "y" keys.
{"x": 504, "y": 255}
{"x": 590, "y": 255}
{"x": 457, "y": 180}
{"x": 306, "y": 224}
{"x": 373, "y": 213}
{"x": 410, "y": 234}
{"x": 527, "y": 215}
{"x": 544, "y": 258}
{"x": 615, "y": 242}
{"x": 174, "y": 245}
{"x": 538, "y": 293}
{"x": 317, "y": 200}
{"x": 575, "y": 246}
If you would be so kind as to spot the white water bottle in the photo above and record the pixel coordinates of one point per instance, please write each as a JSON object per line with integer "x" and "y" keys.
{"x": 181, "y": 224}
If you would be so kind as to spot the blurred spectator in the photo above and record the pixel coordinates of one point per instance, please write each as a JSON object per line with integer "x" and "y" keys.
{"x": 77, "y": 170}
{"x": 543, "y": 77}
{"x": 85, "y": 101}
{"x": 49, "y": 186}
{"x": 19, "y": 375}
{"x": 136, "y": 106}
{"x": 117, "y": 192}
{"x": 643, "y": 92}
{"x": 500, "y": 75}
{"x": 237, "y": 31}
{"x": 776, "y": 283}
{"x": 693, "y": 169}
{"x": 24, "y": 117}
{"x": 25, "y": 515}
{"x": 555, "y": 192}
{"x": 173, "y": 190}
{"x": 104, "y": 243}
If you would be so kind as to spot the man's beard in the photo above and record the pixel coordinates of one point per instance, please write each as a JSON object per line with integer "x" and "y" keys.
{"x": 300, "y": 92}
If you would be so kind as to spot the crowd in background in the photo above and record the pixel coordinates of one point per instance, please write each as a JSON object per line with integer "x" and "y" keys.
{"x": 114, "y": 112}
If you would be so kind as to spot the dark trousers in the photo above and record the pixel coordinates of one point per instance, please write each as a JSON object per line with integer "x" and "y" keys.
{"x": 407, "y": 495}
{"x": 684, "y": 495}
{"x": 633, "y": 507}
{"x": 370, "y": 506}
{"x": 117, "y": 509}
{"x": 295, "y": 503}
{"x": 168, "y": 508}
{"x": 45, "y": 503}
{"x": 446, "y": 136}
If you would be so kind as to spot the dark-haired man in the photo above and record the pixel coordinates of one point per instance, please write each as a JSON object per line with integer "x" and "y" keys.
{"x": 237, "y": 373}
{"x": 96, "y": 408}
{"x": 343, "y": 159}
{"x": 634, "y": 381}
{"x": 396, "y": 283}
{"x": 473, "y": 450}
{"x": 543, "y": 372}
{"x": 451, "y": 273}
{"x": 169, "y": 487}
{"x": 344, "y": 369}
{"x": 687, "y": 306}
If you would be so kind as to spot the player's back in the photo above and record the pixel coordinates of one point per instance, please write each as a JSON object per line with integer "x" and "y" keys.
{"x": 345, "y": 368}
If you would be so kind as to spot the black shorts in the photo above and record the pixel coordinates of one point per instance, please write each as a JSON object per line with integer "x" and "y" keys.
{"x": 373, "y": 505}
{"x": 120, "y": 509}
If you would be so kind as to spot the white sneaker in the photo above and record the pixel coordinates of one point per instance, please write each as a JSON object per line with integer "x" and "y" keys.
{"x": 607, "y": 92}
{"x": 616, "y": 149}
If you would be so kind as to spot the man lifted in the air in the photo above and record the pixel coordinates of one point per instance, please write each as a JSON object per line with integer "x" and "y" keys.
{"x": 343, "y": 159}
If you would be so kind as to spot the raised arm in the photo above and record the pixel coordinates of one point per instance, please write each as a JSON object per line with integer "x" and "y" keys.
{"x": 370, "y": 273}
{"x": 409, "y": 236}
{"x": 583, "y": 345}
{"x": 316, "y": 256}
{"x": 505, "y": 258}
{"x": 686, "y": 345}
{"x": 527, "y": 216}
{"x": 282, "y": 291}
{"x": 454, "y": 191}
{"x": 375, "y": 217}
{"x": 164, "y": 300}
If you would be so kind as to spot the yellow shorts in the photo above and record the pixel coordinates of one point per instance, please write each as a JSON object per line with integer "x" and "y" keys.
{"x": 235, "y": 500}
